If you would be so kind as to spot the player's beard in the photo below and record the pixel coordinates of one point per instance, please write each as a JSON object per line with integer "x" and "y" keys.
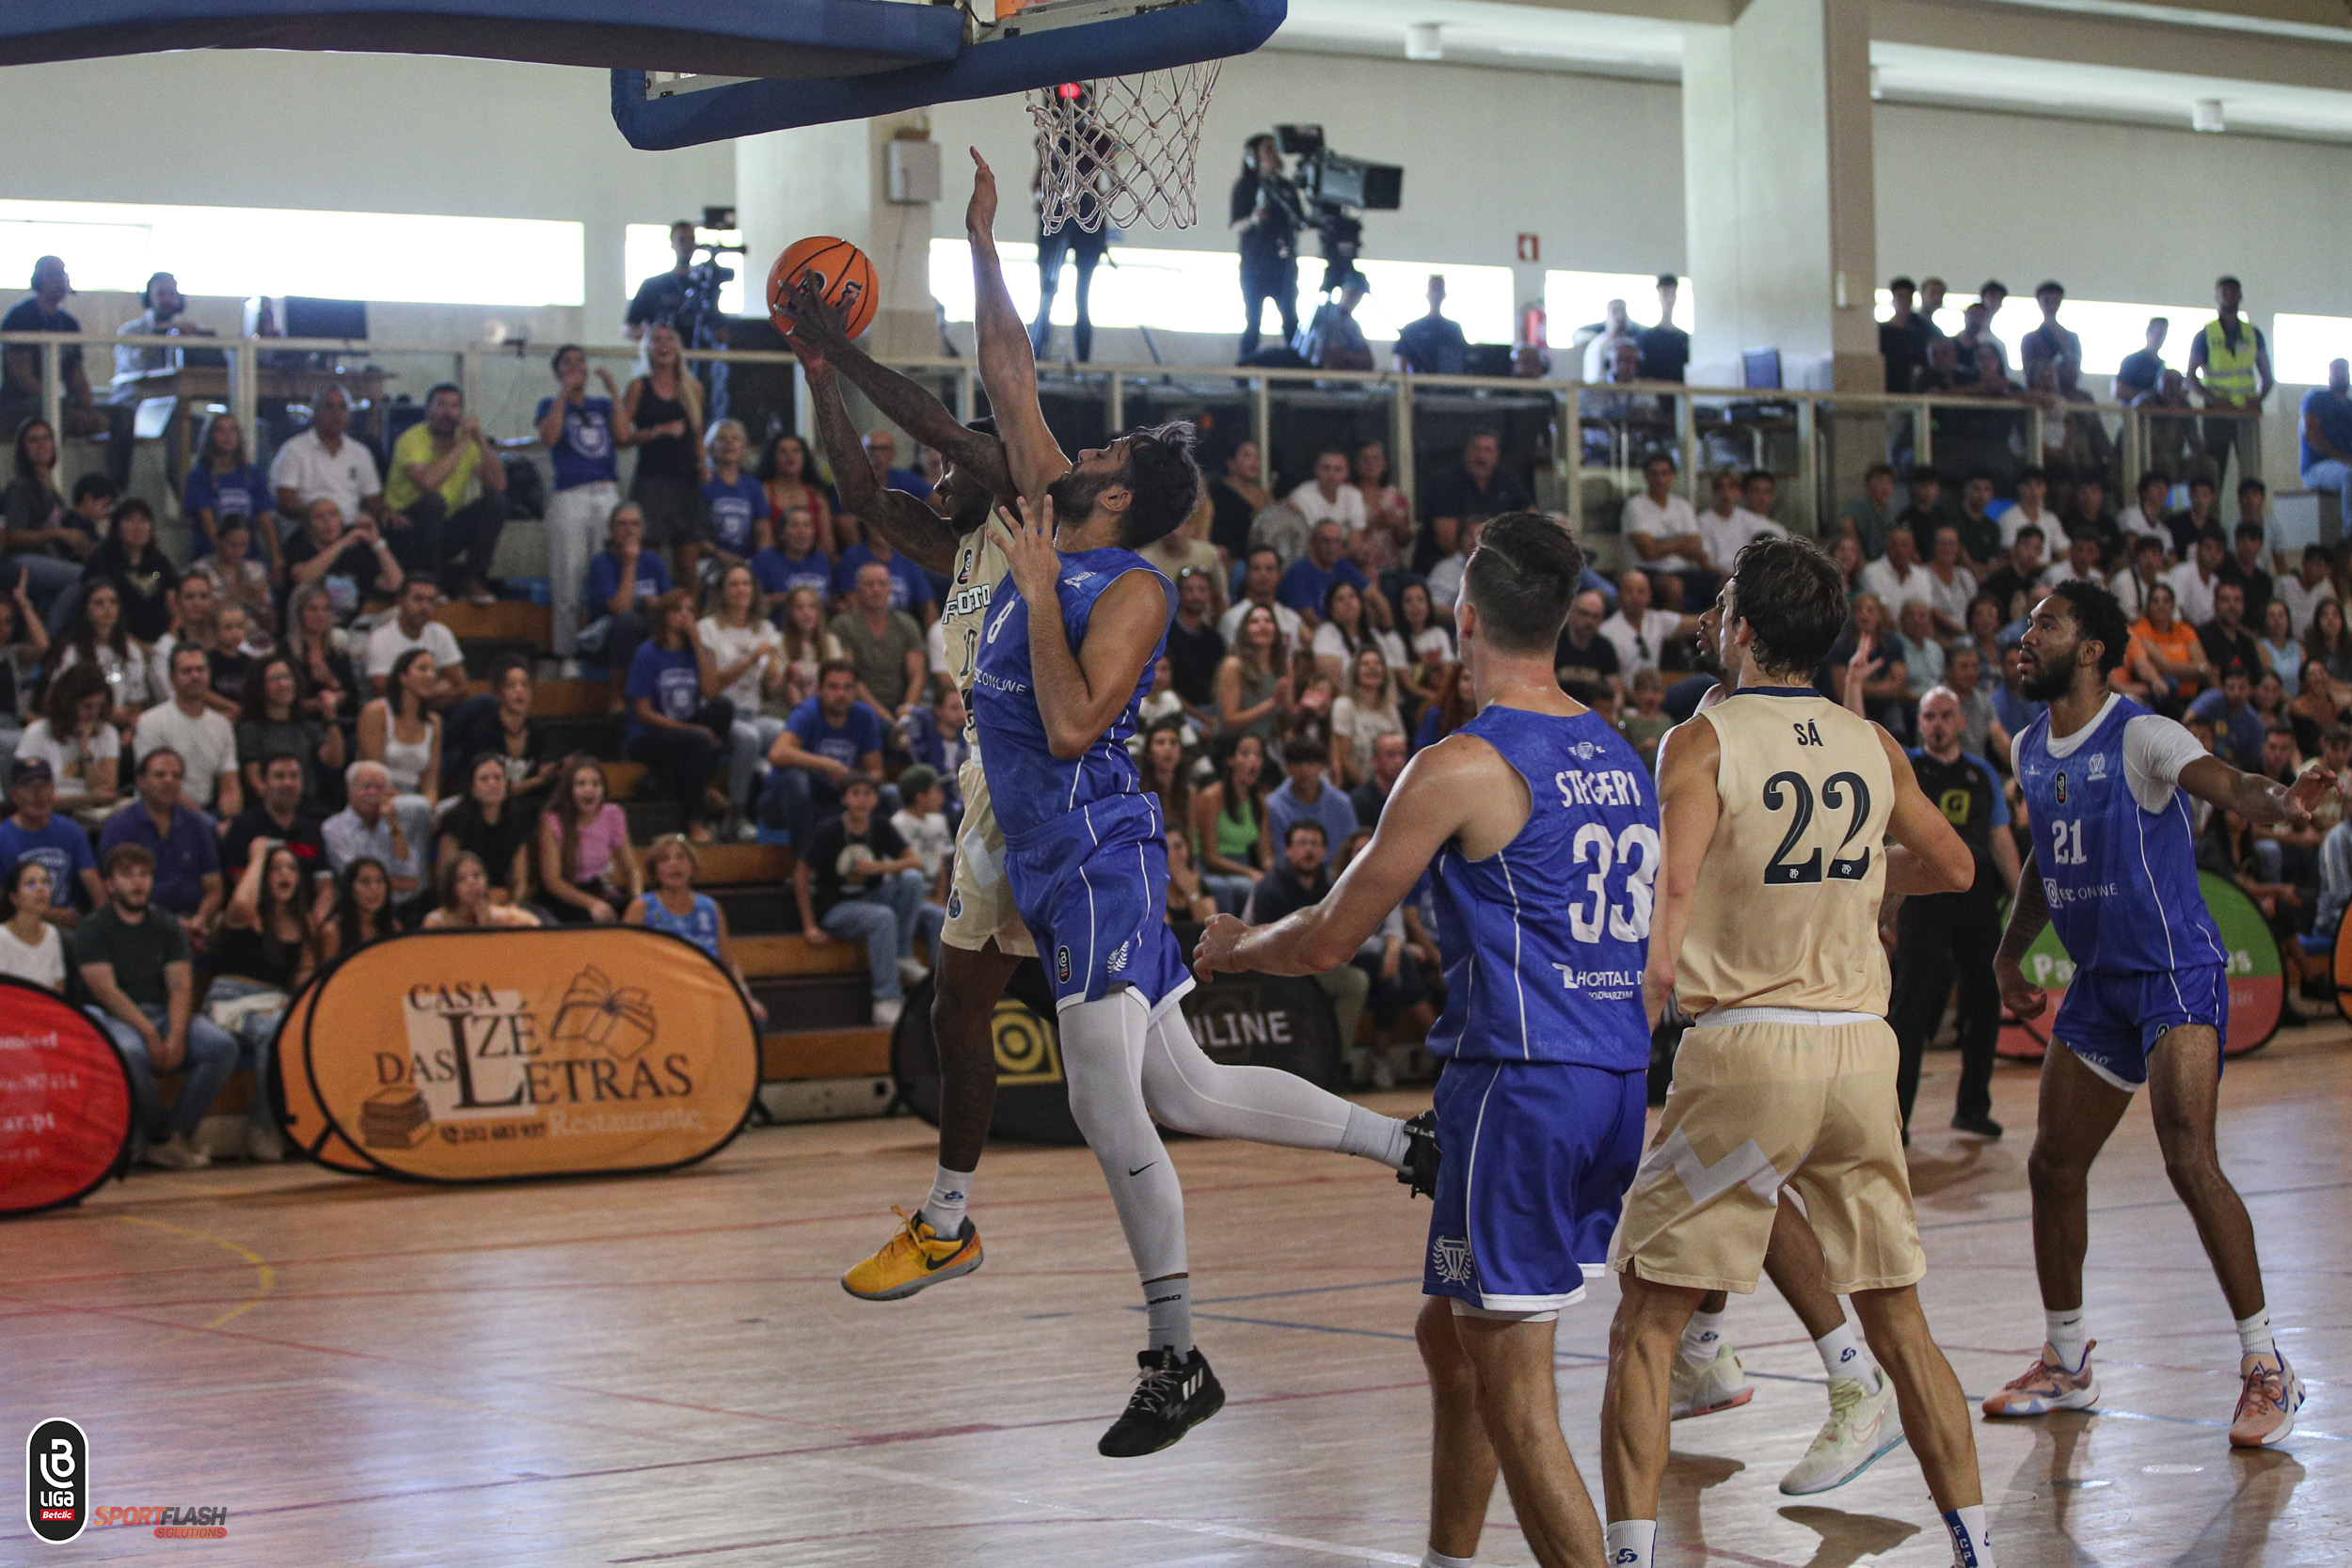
{"x": 1076, "y": 491}
{"x": 2050, "y": 679}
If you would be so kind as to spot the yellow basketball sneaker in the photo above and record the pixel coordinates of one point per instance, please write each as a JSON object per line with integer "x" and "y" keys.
{"x": 913, "y": 1259}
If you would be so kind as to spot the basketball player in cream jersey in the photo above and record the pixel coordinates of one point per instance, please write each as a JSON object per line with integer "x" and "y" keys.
{"x": 1777, "y": 809}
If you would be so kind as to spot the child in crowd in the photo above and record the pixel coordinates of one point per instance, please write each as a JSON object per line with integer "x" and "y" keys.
{"x": 236, "y": 577}
{"x": 1648, "y": 721}
{"x": 923, "y": 823}
{"x": 232, "y": 657}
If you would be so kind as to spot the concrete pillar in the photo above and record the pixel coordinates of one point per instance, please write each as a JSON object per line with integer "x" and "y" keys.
{"x": 1777, "y": 191}
{"x": 832, "y": 180}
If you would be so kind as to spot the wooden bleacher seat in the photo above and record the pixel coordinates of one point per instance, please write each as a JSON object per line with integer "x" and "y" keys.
{"x": 852, "y": 1052}
{"x": 563, "y": 699}
{"x": 507, "y": 621}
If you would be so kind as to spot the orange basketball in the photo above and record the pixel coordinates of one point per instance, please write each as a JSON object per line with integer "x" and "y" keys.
{"x": 843, "y": 277}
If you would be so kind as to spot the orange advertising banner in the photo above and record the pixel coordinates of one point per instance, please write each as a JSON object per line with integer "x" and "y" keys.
{"x": 486, "y": 1056}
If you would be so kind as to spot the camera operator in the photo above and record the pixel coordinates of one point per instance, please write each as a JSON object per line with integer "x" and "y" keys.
{"x": 686, "y": 298}
{"x": 1267, "y": 217}
{"x": 662, "y": 298}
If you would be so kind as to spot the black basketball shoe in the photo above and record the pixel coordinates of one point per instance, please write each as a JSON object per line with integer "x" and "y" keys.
{"x": 1173, "y": 1394}
{"x": 1420, "y": 1169}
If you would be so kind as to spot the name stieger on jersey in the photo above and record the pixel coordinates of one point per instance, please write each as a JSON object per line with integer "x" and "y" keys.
{"x": 1608, "y": 787}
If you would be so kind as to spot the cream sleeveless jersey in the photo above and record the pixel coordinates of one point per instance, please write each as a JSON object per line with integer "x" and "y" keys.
{"x": 1787, "y": 909}
{"x": 981, "y": 565}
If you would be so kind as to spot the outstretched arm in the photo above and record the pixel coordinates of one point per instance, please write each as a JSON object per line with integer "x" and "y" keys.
{"x": 1427, "y": 808}
{"x": 909, "y": 525}
{"x": 2260, "y": 801}
{"x": 1079, "y": 693}
{"x": 1007, "y": 369}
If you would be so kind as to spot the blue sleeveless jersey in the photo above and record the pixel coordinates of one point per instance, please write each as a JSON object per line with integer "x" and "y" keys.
{"x": 1545, "y": 941}
{"x": 1030, "y": 788}
{"x": 699, "y": 924}
{"x": 2122, "y": 881}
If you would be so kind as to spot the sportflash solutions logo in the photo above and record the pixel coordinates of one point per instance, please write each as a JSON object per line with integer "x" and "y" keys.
{"x": 56, "y": 1494}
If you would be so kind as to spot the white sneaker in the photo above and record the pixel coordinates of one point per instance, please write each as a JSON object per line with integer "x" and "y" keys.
{"x": 1863, "y": 1427}
{"x": 263, "y": 1144}
{"x": 1703, "y": 1390}
{"x": 913, "y": 972}
{"x": 886, "y": 1014}
{"x": 177, "y": 1153}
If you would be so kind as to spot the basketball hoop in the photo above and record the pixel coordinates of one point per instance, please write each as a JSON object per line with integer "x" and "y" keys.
{"x": 1119, "y": 150}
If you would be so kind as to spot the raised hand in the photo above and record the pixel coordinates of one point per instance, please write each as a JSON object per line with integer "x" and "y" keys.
{"x": 815, "y": 324}
{"x": 1029, "y": 547}
{"x": 980, "y": 214}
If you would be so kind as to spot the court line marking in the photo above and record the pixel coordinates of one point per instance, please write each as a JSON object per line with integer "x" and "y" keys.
{"x": 2125, "y": 1207}
{"x": 266, "y": 1276}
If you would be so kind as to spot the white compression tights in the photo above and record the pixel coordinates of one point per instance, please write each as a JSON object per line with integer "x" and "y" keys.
{"x": 1187, "y": 1090}
{"x": 1102, "y": 1054}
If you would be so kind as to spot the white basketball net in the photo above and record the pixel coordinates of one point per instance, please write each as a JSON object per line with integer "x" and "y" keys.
{"x": 1122, "y": 151}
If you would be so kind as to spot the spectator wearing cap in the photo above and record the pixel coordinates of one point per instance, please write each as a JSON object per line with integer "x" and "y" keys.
{"x": 37, "y": 833}
{"x": 136, "y": 962}
{"x": 182, "y": 842}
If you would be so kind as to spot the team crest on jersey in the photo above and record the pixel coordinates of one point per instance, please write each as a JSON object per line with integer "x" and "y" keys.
{"x": 1451, "y": 1257}
{"x": 955, "y": 904}
{"x": 2061, "y": 787}
{"x": 1117, "y": 963}
{"x": 1061, "y": 964}
{"x": 1583, "y": 751}
{"x": 1079, "y": 580}
{"x": 2098, "y": 766}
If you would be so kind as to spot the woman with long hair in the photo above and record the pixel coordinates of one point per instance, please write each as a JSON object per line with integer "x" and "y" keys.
{"x": 401, "y": 731}
{"x": 1428, "y": 647}
{"x": 41, "y": 536}
{"x": 672, "y": 904}
{"x": 788, "y": 472}
{"x": 266, "y": 947}
{"x": 492, "y": 827}
{"x": 748, "y": 656}
{"x": 1236, "y": 498}
{"x": 2326, "y": 643}
{"x": 1364, "y": 713}
{"x": 24, "y": 648}
{"x": 1165, "y": 773}
{"x": 794, "y": 561}
{"x": 1450, "y": 709}
{"x": 1344, "y": 629}
{"x": 679, "y": 725}
{"x": 2166, "y": 656}
{"x": 270, "y": 721}
{"x": 83, "y": 752}
{"x": 31, "y": 946}
{"x": 586, "y": 863}
{"x": 1865, "y": 666}
{"x": 1985, "y": 630}
{"x": 2281, "y": 654}
{"x": 223, "y": 482}
{"x": 1310, "y": 718}
{"x": 1231, "y": 823}
{"x": 805, "y": 644}
{"x": 1387, "y": 541}
{"x": 1253, "y": 684}
{"x": 466, "y": 903}
{"x": 363, "y": 908}
{"x": 130, "y": 558}
{"x": 320, "y": 652}
{"x": 98, "y": 639}
{"x": 662, "y": 416}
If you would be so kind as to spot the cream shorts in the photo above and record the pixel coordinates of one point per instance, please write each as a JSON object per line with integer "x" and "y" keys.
{"x": 980, "y": 895}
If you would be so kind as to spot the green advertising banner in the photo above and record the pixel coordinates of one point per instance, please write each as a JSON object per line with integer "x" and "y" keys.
{"x": 2258, "y": 986}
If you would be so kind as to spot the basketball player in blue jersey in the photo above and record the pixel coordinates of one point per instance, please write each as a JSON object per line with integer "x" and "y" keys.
{"x": 1064, "y": 660}
{"x": 1540, "y": 828}
{"x": 2114, "y": 868}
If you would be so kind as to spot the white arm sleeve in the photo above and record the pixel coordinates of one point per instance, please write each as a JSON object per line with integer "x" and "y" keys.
{"x": 2155, "y": 749}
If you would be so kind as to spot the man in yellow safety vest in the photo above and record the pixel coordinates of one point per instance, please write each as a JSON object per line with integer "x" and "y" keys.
{"x": 2228, "y": 362}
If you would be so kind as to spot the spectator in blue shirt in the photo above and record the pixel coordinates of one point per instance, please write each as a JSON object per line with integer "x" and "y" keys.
{"x": 623, "y": 580}
{"x": 737, "y": 503}
{"x": 223, "y": 483}
{"x": 910, "y": 585}
{"x": 577, "y": 430}
{"x": 1307, "y": 795}
{"x": 1432, "y": 345}
{"x": 1308, "y": 580}
{"x": 828, "y": 738}
{"x": 2235, "y": 722}
{"x": 184, "y": 842}
{"x": 33, "y": 833}
{"x": 678, "y": 726}
{"x": 2327, "y": 439}
{"x": 794, "y": 561}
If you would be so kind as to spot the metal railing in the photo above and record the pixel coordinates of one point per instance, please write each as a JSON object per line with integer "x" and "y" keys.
{"x": 1580, "y": 444}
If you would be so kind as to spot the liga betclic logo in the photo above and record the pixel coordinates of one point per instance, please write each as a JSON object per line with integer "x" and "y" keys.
{"x": 56, "y": 1494}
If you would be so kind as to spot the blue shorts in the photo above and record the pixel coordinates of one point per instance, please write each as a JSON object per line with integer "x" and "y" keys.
{"x": 2113, "y": 1020}
{"x": 1537, "y": 1156}
{"x": 1092, "y": 889}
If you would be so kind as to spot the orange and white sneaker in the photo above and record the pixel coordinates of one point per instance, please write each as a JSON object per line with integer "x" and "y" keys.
{"x": 915, "y": 1259}
{"x": 2047, "y": 1385}
{"x": 2267, "y": 1404}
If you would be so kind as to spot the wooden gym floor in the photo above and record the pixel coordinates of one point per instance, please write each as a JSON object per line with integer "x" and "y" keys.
{"x": 665, "y": 1370}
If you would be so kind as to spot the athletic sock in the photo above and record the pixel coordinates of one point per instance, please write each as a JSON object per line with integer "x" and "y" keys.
{"x": 1373, "y": 1136}
{"x": 2068, "y": 1338}
{"x": 1168, "y": 1303}
{"x": 1436, "y": 1559}
{"x": 1971, "y": 1546}
{"x": 2254, "y": 1337}
{"x": 1842, "y": 1355}
{"x": 1631, "y": 1542}
{"x": 944, "y": 1210}
{"x": 1703, "y": 1338}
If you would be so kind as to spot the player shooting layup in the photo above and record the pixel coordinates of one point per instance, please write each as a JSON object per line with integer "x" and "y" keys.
{"x": 1776, "y": 806}
{"x": 2114, "y": 866}
{"x": 1543, "y": 830}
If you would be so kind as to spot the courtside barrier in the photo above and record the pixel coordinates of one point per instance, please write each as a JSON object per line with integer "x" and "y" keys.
{"x": 2258, "y": 982}
{"x": 486, "y": 1056}
{"x": 65, "y": 1101}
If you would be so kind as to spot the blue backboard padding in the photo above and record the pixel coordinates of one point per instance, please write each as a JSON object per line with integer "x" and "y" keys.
{"x": 1177, "y": 35}
{"x": 827, "y": 39}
